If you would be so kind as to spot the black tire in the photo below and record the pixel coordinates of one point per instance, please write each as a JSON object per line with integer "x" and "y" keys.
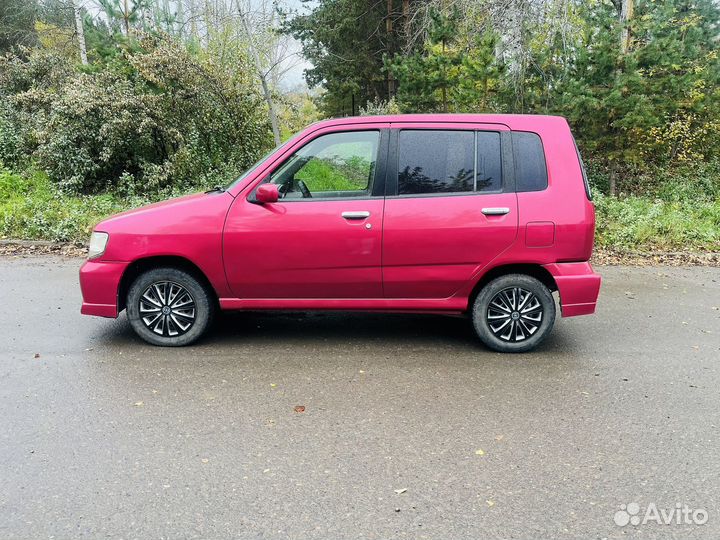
{"x": 184, "y": 318}
{"x": 518, "y": 322}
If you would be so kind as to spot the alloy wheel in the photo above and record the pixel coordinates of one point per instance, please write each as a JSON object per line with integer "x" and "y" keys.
{"x": 514, "y": 314}
{"x": 167, "y": 308}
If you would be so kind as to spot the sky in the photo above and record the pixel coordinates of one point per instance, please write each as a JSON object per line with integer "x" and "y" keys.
{"x": 294, "y": 77}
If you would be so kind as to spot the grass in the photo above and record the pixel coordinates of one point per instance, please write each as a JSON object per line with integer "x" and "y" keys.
{"x": 335, "y": 174}
{"x": 32, "y": 208}
{"x": 643, "y": 224}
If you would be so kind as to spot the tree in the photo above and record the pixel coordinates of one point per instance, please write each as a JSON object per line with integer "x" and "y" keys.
{"x": 658, "y": 101}
{"x": 262, "y": 74}
{"x": 346, "y": 42}
{"x": 448, "y": 74}
{"x": 17, "y": 24}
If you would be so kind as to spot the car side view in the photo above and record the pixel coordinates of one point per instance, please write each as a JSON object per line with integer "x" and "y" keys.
{"x": 481, "y": 215}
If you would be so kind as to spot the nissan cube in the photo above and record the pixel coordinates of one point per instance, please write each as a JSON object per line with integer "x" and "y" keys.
{"x": 479, "y": 215}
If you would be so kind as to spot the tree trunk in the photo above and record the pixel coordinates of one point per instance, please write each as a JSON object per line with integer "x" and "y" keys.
{"x": 126, "y": 18}
{"x": 389, "y": 30}
{"x": 79, "y": 28}
{"x": 444, "y": 83}
{"x": 263, "y": 79}
{"x": 626, "y": 14}
{"x": 613, "y": 180}
{"x": 406, "y": 18}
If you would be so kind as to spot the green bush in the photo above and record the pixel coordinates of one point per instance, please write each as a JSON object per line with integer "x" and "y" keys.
{"x": 640, "y": 223}
{"x": 157, "y": 120}
{"x": 699, "y": 181}
{"x": 32, "y": 208}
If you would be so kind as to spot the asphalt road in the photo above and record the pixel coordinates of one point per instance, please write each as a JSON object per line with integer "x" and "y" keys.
{"x": 104, "y": 436}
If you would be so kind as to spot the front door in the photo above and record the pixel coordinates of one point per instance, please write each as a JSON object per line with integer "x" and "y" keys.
{"x": 322, "y": 239}
{"x": 448, "y": 212}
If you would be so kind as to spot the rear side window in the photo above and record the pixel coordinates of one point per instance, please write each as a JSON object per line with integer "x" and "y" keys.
{"x": 530, "y": 167}
{"x": 434, "y": 161}
{"x": 584, "y": 172}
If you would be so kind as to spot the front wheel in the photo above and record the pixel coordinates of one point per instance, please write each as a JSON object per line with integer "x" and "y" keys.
{"x": 169, "y": 307}
{"x": 513, "y": 313}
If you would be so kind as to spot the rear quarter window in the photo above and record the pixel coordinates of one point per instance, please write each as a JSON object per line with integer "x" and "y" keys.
{"x": 530, "y": 166}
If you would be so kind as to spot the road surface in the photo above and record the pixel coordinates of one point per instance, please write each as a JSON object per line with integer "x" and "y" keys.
{"x": 410, "y": 428}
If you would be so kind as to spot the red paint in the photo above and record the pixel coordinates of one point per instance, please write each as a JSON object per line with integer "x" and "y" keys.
{"x": 539, "y": 234}
{"x": 412, "y": 253}
{"x": 267, "y": 193}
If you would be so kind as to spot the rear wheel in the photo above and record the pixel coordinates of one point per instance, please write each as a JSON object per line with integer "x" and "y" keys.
{"x": 169, "y": 307}
{"x": 514, "y": 313}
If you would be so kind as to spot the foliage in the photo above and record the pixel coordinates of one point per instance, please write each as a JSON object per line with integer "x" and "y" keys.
{"x": 31, "y": 207}
{"x": 155, "y": 119}
{"x": 663, "y": 208}
{"x": 378, "y": 107}
{"x": 335, "y": 174}
{"x": 658, "y": 103}
{"x": 17, "y": 24}
{"x": 296, "y": 112}
{"x": 645, "y": 224}
{"x": 448, "y": 75}
{"x": 345, "y": 41}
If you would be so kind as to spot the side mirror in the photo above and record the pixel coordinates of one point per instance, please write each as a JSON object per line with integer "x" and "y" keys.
{"x": 267, "y": 193}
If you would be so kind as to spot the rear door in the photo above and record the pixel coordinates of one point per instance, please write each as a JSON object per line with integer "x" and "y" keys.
{"x": 450, "y": 207}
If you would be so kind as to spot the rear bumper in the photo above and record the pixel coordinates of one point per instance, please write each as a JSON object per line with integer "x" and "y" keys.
{"x": 578, "y": 285}
{"x": 99, "y": 283}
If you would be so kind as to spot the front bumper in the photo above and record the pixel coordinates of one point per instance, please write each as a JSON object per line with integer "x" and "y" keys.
{"x": 578, "y": 285}
{"x": 99, "y": 283}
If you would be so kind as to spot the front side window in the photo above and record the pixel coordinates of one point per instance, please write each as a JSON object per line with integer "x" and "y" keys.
{"x": 434, "y": 161}
{"x": 333, "y": 165}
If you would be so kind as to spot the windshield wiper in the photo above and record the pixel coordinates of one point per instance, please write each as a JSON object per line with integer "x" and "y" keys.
{"x": 216, "y": 189}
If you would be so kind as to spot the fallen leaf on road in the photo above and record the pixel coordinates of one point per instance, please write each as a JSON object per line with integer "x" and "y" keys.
{"x": 400, "y": 491}
{"x": 273, "y": 385}
{"x": 299, "y": 408}
{"x": 37, "y": 355}
{"x": 499, "y": 437}
{"x": 204, "y": 460}
{"x": 479, "y": 452}
{"x": 139, "y": 404}
{"x": 490, "y": 503}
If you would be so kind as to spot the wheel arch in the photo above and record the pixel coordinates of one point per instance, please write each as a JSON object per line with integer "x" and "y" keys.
{"x": 139, "y": 266}
{"x": 533, "y": 270}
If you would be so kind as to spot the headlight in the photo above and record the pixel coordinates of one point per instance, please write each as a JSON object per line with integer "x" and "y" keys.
{"x": 98, "y": 242}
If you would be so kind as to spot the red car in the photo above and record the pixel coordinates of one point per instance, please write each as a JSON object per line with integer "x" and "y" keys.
{"x": 484, "y": 215}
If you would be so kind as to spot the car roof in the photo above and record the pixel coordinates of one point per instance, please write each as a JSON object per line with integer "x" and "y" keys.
{"x": 517, "y": 121}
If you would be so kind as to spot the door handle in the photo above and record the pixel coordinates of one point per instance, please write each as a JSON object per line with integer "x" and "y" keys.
{"x": 498, "y": 211}
{"x": 356, "y": 215}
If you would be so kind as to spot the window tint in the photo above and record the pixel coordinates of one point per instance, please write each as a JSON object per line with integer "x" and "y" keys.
{"x": 333, "y": 165}
{"x": 436, "y": 162}
{"x": 489, "y": 168}
{"x": 444, "y": 162}
{"x": 530, "y": 168}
